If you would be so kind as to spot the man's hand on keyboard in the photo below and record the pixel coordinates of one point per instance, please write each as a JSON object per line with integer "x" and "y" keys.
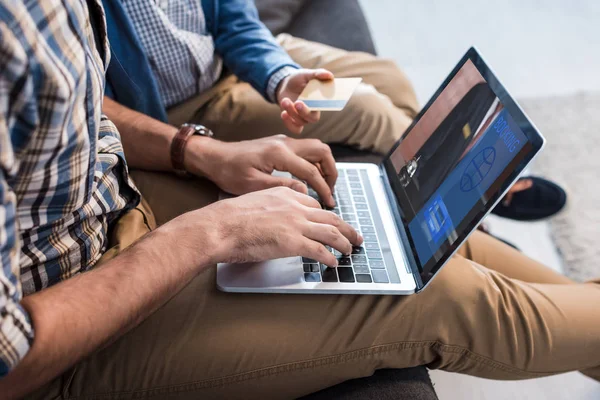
{"x": 245, "y": 167}
{"x": 276, "y": 223}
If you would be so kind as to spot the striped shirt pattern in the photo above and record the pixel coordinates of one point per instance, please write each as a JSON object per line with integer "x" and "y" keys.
{"x": 63, "y": 176}
{"x": 180, "y": 50}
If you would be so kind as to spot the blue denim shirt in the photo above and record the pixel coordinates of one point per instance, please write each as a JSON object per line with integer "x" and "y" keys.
{"x": 247, "y": 47}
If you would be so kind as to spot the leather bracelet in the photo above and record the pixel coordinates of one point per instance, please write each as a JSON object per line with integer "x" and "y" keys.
{"x": 180, "y": 141}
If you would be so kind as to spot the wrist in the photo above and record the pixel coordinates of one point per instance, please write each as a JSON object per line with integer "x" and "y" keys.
{"x": 276, "y": 83}
{"x": 279, "y": 90}
{"x": 201, "y": 156}
{"x": 196, "y": 237}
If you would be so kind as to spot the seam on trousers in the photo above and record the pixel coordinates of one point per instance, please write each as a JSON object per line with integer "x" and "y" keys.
{"x": 145, "y": 218}
{"x": 310, "y": 364}
{"x": 483, "y": 360}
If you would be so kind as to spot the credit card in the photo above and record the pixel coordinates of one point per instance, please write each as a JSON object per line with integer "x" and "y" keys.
{"x": 330, "y": 95}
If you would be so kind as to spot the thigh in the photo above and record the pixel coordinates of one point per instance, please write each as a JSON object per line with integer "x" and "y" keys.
{"x": 209, "y": 344}
{"x": 498, "y": 256}
{"x": 169, "y": 196}
{"x": 128, "y": 229}
{"x": 374, "y": 119}
{"x": 383, "y": 74}
{"x": 370, "y": 121}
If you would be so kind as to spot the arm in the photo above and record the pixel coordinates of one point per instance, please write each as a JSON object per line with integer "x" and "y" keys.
{"x": 78, "y": 316}
{"x": 87, "y": 312}
{"x": 237, "y": 168}
{"x": 249, "y": 49}
{"x": 16, "y": 330}
{"x": 43, "y": 334}
{"x": 146, "y": 141}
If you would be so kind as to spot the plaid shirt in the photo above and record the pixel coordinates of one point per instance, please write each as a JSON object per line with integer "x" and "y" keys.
{"x": 181, "y": 52}
{"x": 63, "y": 177}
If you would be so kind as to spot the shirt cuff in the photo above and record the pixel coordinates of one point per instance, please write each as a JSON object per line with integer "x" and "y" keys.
{"x": 276, "y": 79}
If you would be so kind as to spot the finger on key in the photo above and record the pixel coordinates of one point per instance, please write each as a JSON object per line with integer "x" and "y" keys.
{"x": 308, "y": 172}
{"x": 317, "y": 152}
{"x": 329, "y": 218}
{"x": 306, "y": 201}
{"x": 328, "y": 235}
{"x": 317, "y": 251}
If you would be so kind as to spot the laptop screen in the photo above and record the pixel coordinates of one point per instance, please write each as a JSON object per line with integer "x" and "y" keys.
{"x": 452, "y": 163}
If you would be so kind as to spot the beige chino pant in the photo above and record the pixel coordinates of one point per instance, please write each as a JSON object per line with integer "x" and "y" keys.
{"x": 491, "y": 312}
{"x": 380, "y": 110}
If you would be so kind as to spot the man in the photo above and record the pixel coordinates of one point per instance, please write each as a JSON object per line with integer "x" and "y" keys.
{"x": 93, "y": 305}
{"x": 171, "y": 61}
{"x": 174, "y": 53}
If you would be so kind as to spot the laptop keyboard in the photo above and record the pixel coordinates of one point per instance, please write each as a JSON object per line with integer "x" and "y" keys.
{"x": 367, "y": 263}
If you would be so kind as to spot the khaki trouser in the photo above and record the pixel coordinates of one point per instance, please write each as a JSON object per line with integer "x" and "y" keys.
{"x": 380, "y": 110}
{"x": 491, "y": 311}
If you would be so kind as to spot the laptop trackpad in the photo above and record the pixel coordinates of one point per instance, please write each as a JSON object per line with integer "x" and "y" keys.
{"x": 268, "y": 274}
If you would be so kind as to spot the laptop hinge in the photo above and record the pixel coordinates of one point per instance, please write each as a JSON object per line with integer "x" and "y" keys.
{"x": 394, "y": 208}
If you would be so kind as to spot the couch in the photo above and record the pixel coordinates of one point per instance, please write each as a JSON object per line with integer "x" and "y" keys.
{"x": 341, "y": 23}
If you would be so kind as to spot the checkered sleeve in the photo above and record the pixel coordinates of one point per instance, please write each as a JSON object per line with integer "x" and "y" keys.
{"x": 276, "y": 79}
{"x": 16, "y": 332}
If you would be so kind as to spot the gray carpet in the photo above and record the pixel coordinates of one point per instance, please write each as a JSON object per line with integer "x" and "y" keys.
{"x": 571, "y": 125}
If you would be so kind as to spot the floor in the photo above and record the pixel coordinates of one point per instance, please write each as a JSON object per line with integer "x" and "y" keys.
{"x": 537, "y": 49}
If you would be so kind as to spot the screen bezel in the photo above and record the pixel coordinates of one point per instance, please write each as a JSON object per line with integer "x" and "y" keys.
{"x": 535, "y": 140}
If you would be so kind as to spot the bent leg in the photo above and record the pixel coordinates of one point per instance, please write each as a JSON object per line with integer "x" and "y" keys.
{"x": 383, "y": 74}
{"x": 208, "y": 344}
{"x": 170, "y": 196}
{"x": 380, "y": 110}
{"x": 498, "y": 256}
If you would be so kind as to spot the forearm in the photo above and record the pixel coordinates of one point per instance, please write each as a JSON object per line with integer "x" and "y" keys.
{"x": 248, "y": 48}
{"x": 146, "y": 141}
{"x": 80, "y": 315}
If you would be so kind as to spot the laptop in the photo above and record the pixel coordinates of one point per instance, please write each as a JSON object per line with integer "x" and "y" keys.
{"x": 454, "y": 163}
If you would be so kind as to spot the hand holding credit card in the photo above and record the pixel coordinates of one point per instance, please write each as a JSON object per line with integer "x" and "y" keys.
{"x": 332, "y": 95}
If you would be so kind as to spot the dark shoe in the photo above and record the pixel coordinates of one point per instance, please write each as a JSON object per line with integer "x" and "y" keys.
{"x": 542, "y": 200}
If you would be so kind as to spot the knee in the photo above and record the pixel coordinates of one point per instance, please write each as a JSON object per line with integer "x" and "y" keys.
{"x": 480, "y": 312}
{"x": 368, "y": 103}
{"x": 460, "y": 288}
{"x": 397, "y": 82}
{"x": 465, "y": 298}
{"x": 378, "y": 123}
